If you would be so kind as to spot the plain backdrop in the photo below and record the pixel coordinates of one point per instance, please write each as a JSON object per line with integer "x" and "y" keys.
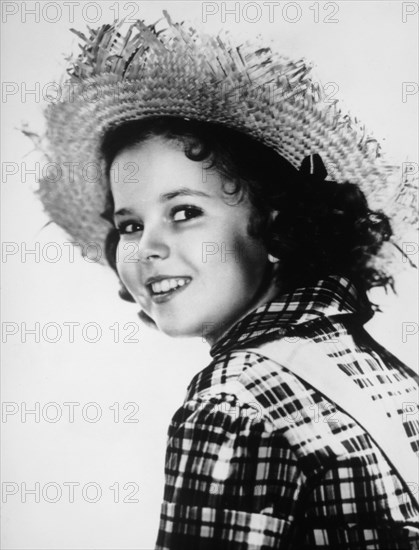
{"x": 136, "y": 385}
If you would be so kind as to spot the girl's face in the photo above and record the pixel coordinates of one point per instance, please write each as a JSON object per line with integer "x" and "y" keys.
{"x": 184, "y": 253}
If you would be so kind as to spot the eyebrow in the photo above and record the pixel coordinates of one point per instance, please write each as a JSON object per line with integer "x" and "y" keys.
{"x": 182, "y": 192}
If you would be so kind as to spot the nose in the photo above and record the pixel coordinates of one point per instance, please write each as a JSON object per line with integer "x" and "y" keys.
{"x": 153, "y": 245}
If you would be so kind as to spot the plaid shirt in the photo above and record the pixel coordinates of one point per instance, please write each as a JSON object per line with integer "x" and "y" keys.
{"x": 258, "y": 459}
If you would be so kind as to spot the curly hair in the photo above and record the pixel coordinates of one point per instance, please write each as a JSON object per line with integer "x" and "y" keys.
{"x": 320, "y": 227}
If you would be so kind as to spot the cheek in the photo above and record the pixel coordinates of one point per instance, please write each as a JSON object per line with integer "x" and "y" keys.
{"x": 253, "y": 252}
{"x": 252, "y": 263}
{"x": 127, "y": 264}
{"x": 236, "y": 262}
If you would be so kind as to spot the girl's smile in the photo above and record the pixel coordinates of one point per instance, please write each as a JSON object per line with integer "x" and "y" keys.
{"x": 195, "y": 269}
{"x": 162, "y": 288}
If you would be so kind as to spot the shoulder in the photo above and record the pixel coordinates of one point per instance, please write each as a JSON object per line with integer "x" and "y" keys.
{"x": 251, "y": 384}
{"x": 247, "y": 373}
{"x": 248, "y": 393}
{"x": 225, "y": 420}
{"x": 219, "y": 394}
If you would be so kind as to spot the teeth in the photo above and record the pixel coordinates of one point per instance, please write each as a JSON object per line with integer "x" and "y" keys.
{"x": 167, "y": 284}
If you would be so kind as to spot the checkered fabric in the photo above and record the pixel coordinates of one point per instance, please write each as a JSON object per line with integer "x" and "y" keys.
{"x": 257, "y": 459}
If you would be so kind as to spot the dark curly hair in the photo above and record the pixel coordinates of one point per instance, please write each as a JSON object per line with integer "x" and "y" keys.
{"x": 321, "y": 227}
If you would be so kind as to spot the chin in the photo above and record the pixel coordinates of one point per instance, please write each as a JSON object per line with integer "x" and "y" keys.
{"x": 174, "y": 332}
{"x": 180, "y": 330}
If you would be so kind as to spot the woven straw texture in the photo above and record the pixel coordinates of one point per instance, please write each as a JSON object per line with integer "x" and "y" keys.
{"x": 170, "y": 69}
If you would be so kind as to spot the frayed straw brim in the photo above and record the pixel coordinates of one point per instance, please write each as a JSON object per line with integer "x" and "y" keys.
{"x": 169, "y": 69}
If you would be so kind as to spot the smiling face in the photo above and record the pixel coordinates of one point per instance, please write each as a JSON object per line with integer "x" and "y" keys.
{"x": 184, "y": 252}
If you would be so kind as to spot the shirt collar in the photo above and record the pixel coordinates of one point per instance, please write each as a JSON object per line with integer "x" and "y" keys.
{"x": 331, "y": 296}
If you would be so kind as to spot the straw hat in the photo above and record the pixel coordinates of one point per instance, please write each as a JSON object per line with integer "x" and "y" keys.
{"x": 171, "y": 69}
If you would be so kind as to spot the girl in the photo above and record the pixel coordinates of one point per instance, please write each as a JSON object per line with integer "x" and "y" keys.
{"x": 212, "y": 198}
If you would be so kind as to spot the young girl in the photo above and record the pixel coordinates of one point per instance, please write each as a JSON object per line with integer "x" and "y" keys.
{"x": 212, "y": 198}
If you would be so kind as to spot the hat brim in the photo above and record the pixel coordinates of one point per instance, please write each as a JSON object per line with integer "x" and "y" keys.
{"x": 179, "y": 73}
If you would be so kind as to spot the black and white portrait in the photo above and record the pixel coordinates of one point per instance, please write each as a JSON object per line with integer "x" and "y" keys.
{"x": 210, "y": 275}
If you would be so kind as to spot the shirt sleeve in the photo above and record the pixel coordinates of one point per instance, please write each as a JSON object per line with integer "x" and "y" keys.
{"x": 232, "y": 482}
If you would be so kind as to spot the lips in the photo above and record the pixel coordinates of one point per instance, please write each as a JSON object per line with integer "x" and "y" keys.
{"x": 162, "y": 287}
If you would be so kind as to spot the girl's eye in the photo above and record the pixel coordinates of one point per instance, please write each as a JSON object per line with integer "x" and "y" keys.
{"x": 179, "y": 214}
{"x": 186, "y": 213}
{"x": 129, "y": 227}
